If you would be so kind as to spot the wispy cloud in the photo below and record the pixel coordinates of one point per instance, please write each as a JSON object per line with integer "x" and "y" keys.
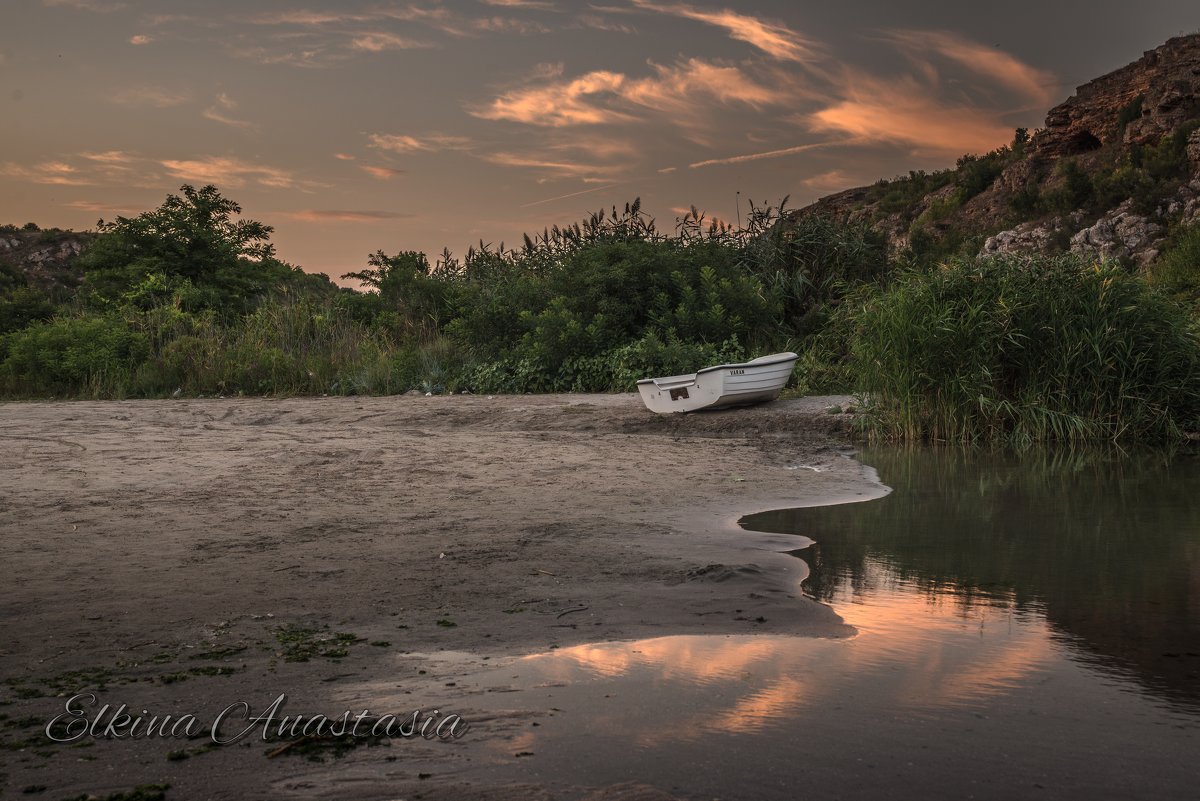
{"x": 228, "y": 171}
{"x": 58, "y": 173}
{"x": 829, "y": 181}
{"x": 566, "y": 196}
{"x": 344, "y": 157}
{"x": 508, "y": 25}
{"x": 572, "y": 102}
{"x": 904, "y": 111}
{"x": 110, "y": 157}
{"x": 315, "y": 57}
{"x": 340, "y": 215}
{"x": 148, "y": 96}
{"x": 382, "y": 173}
{"x": 304, "y": 17}
{"x": 604, "y": 97}
{"x": 596, "y": 22}
{"x": 140, "y": 39}
{"x": 773, "y": 38}
{"x": 1035, "y": 85}
{"x": 678, "y": 85}
{"x": 435, "y": 17}
{"x": 767, "y": 154}
{"x": 97, "y": 6}
{"x": 100, "y": 207}
{"x": 402, "y": 143}
{"x": 542, "y": 5}
{"x": 219, "y": 112}
{"x": 378, "y": 41}
{"x": 588, "y": 173}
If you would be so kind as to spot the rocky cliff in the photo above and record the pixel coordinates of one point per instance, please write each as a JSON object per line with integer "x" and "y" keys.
{"x": 1114, "y": 170}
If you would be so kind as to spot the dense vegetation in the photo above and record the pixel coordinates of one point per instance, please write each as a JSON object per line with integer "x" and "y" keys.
{"x": 1026, "y": 350}
{"x": 190, "y": 299}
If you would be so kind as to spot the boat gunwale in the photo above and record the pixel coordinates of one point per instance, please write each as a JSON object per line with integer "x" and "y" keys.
{"x": 783, "y": 357}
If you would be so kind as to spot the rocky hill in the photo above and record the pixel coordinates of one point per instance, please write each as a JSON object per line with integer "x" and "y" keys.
{"x": 1114, "y": 172}
{"x": 44, "y": 259}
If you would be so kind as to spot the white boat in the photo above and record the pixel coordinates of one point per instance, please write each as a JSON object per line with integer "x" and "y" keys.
{"x": 724, "y": 385}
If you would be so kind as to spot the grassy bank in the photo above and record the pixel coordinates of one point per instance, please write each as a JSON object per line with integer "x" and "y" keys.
{"x": 189, "y": 299}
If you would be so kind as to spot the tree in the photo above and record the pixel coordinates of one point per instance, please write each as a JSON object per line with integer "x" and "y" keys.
{"x": 413, "y": 300}
{"x": 196, "y": 238}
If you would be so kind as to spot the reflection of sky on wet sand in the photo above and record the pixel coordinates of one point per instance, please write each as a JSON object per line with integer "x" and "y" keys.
{"x": 912, "y": 652}
{"x": 945, "y": 692}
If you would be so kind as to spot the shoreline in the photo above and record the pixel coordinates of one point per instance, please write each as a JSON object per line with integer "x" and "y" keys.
{"x": 182, "y": 554}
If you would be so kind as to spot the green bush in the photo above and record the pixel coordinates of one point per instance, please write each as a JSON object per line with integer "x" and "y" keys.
{"x": 1025, "y": 350}
{"x": 616, "y": 370}
{"x": 87, "y": 355}
{"x": 977, "y": 173}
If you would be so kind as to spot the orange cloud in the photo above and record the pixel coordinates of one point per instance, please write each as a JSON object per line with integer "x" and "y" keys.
{"x": 604, "y": 97}
{"x": 402, "y": 143}
{"x": 230, "y": 172}
{"x": 899, "y": 112}
{"x": 47, "y": 172}
{"x": 98, "y": 206}
{"x": 557, "y": 104}
{"x": 110, "y": 157}
{"x": 382, "y": 173}
{"x": 304, "y": 17}
{"x": 140, "y": 39}
{"x": 543, "y": 5}
{"x": 673, "y": 86}
{"x": 337, "y": 215}
{"x": 773, "y": 38}
{"x": 830, "y": 181}
{"x": 1037, "y": 86}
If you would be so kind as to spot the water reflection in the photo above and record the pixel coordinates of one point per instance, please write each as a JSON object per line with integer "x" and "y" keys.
{"x": 1104, "y": 547}
{"x": 1024, "y": 628}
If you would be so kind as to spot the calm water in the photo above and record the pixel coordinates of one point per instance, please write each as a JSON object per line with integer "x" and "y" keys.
{"x": 1025, "y": 629}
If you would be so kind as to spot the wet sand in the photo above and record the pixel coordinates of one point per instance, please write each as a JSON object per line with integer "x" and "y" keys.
{"x": 177, "y": 556}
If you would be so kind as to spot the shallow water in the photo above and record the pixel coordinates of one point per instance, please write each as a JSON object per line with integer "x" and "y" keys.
{"x": 1025, "y": 628}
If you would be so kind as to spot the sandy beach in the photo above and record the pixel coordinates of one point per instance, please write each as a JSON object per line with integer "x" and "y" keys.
{"x": 183, "y": 555}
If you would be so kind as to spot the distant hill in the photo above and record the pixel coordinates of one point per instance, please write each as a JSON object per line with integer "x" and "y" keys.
{"x": 1115, "y": 171}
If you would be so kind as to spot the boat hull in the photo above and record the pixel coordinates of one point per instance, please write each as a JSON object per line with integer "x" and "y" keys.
{"x": 719, "y": 387}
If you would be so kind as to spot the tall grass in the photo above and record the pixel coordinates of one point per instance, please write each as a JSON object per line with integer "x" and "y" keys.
{"x": 1025, "y": 350}
{"x": 285, "y": 347}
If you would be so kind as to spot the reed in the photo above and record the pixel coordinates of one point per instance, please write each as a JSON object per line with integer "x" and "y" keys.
{"x": 1025, "y": 350}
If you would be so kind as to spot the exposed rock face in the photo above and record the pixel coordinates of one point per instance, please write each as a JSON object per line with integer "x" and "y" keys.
{"x": 47, "y": 258}
{"x": 1097, "y": 128}
{"x": 1164, "y": 81}
{"x": 1120, "y": 234}
{"x": 1030, "y": 237}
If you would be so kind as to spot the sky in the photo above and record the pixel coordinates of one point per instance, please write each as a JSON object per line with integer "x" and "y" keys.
{"x": 366, "y": 125}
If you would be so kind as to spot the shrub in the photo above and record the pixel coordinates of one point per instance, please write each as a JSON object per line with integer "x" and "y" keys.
{"x": 74, "y": 355}
{"x": 1025, "y": 350}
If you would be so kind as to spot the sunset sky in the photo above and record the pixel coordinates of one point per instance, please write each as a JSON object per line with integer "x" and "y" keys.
{"x": 357, "y": 126}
